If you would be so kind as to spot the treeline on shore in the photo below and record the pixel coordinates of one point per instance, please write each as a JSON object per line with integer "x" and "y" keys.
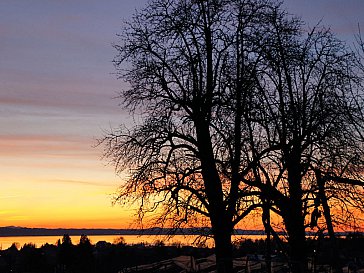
{"x": 86, "y": 257}
{"x": 104, "y": 257}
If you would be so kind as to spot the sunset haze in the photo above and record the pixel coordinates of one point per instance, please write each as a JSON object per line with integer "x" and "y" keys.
{"x": 58, "y": 92}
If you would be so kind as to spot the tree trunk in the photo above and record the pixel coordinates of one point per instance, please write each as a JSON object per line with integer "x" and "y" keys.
{"x": 293, "y": 214}
{"x": 335, "y": 257}
{"x": 223, "y": 249}
{"x": 267, "y": 227}
{"x": 298, "y": 254}
{"x": 296, "y": 239}
{"x": 220, "y": 222}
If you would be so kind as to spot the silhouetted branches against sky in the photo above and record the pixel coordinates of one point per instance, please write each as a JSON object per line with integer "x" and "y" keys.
{"x": 238, "y": 107}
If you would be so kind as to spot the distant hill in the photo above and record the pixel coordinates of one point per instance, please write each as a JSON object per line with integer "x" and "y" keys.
{"x": 12, "y": 231}
{"x": 23, "y": 231}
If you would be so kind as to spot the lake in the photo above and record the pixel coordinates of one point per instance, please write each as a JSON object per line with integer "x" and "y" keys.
{"x": 6, "y": 242}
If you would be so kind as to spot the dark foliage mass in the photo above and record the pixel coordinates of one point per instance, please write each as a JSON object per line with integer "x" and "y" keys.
{"x": 104, "y": 257}
{"x": 85, "y": 257}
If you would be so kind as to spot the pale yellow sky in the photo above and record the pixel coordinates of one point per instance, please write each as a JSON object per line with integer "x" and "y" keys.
{"x": 50, "y": 182}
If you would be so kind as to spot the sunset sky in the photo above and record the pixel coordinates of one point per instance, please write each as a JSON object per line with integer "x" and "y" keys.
{"x": 57, "y": 86}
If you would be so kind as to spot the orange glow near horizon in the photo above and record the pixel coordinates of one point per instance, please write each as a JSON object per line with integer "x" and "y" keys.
{"x": 60, "y": 182}
{"x": 62, "y": 207}
{"x": 57, "y": 183}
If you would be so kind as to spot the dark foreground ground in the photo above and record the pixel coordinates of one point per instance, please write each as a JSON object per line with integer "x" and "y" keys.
{"x": 103, "y": 257}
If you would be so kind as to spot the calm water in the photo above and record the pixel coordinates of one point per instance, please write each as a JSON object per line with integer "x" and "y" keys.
{"x": 6, "y": 242}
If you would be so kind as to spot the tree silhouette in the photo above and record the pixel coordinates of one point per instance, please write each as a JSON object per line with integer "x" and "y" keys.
{"x": 30, "y": 259}
{"x": 85, "y": 261}
{"x": 67, "y": 253}
{"x": 304, "y": 129}
{"x": 189, "y": 67}
{"x": 238, "y": 109}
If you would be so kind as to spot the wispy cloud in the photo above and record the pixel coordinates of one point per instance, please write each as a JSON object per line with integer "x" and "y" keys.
{"x": 8, "y": 197}
{"x": 83, "y": 96}
{"x": 80, "y": 182}
{"x": 50, "y": 145}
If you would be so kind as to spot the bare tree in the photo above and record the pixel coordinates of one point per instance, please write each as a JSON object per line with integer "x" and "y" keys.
{"x": 238, "y": 109}
{"x": 189, "y": 64}
{"x": 305, "y": 104}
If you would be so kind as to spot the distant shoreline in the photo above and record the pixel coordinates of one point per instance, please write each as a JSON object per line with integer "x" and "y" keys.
{"x": 24, "y": 231}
